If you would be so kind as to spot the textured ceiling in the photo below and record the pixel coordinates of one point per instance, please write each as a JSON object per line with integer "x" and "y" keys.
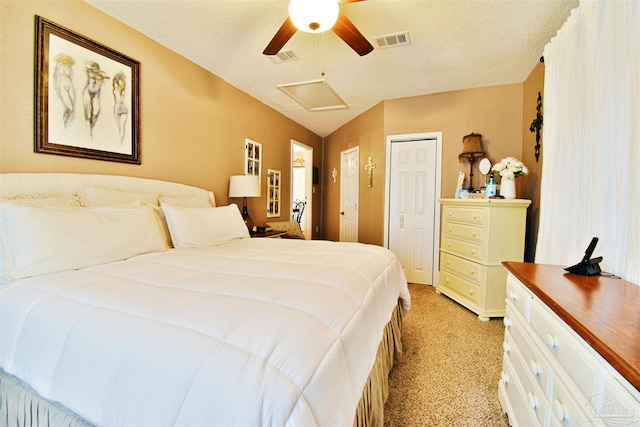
{"x": 455, "y": 44}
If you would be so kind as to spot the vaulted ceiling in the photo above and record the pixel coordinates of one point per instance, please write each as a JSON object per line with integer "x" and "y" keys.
{"x": 453, "y": 45}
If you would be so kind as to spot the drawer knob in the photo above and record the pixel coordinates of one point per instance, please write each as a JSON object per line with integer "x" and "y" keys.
{"x": 535, "y": 368}
{"x": 506, "y": 347}
{"x": 552, "y": 341}
{"x": 559, "y": 410}
{"x": 474, "y": 234}
{"x": 470, "y": 291}
{"x": 471, "y": 272}
{"x": 504, "y": 377}
{"x": 513, "y": 296}
{"x": 533, "y": 400}
{"x": 507, "y": 322}
{"x": 473, "y": 251}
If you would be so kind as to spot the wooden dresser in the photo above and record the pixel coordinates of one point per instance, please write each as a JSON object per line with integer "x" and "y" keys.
{"x": 571, "y": 349}
{"x": 477, "y": 235}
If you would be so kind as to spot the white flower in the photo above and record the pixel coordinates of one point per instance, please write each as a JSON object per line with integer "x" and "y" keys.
{"x": 510, "y": 168}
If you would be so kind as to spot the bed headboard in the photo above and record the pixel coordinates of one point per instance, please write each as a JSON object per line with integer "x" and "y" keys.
{"x": 13, "y": 184}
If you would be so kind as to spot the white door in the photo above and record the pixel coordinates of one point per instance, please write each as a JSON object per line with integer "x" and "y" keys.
{"x": 349, "y": 161}
{"x": 412, "y": 207}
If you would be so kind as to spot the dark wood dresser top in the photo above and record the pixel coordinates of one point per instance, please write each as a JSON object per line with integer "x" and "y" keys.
{"x": 604, "y": 311}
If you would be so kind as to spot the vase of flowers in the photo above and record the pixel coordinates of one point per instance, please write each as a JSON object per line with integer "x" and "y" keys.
{"x": 509, "y": 169}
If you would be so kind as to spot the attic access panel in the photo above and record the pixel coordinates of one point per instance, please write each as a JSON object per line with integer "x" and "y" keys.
{"x": 314, "y": 95}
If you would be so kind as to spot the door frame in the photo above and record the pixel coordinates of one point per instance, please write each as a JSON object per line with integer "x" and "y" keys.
{"x": 408, "y": 137}
{"x": 308, "y": 187}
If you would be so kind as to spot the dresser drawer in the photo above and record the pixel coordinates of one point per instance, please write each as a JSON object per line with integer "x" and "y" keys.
{"x": 469, "y": 233}
{"x": 466, "y": 249}
{"x": 566, "y": 411}
{"x": 520, "y": 414}
{"x": 463, "y": 287}
{"x": 468, "y": 269}
{"x": 534, "y": 396}
{"x": 519, "y": 296}
{"x": 537, "y": 366}
{"x": 618, "y": 405}
{"x": 469, "y": 215}
{"x": 587, "y": 372}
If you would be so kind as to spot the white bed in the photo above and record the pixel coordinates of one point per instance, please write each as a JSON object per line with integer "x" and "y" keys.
{"x": 220, "y": 330}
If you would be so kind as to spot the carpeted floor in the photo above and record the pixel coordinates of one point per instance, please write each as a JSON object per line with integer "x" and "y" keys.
{"x": 450, "y": 367}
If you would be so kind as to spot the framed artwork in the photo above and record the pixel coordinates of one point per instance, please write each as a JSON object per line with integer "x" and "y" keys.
{"x": 252, "y": 158}
{"x": 87, "y": 97}
{"x": 273, "y": 193}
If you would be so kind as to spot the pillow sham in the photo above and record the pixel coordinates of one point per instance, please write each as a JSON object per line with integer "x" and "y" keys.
{"x": 46, "y": 199}
{"x": 198, "y": 227}
{"x": 102, "y": 196}
{"x": 46, "y": 240}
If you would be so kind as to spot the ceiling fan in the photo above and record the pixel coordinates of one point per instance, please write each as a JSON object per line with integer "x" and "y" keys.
{"x": 317, "y": 16}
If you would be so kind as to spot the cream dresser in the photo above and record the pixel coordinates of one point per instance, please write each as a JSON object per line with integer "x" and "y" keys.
{"x": 477, "y": 235}
{"x": 571, "y": 349}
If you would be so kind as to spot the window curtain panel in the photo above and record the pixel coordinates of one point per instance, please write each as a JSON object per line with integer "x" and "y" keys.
{"x": 591, "y": 139}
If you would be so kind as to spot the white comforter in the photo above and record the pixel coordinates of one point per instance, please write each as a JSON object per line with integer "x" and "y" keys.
{"x": 252, "y": 332}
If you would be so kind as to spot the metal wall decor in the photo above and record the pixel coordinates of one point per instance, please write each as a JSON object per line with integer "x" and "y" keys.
{"x": 369, "y": 167}
{"x": 536, "y": 125}
{"x": 87, "y": 97}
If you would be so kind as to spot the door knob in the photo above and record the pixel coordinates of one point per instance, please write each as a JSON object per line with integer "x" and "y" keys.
{"x": 342, "y": 213}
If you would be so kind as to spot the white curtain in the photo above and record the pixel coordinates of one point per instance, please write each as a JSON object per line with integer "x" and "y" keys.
{"x": 591, "y": 139}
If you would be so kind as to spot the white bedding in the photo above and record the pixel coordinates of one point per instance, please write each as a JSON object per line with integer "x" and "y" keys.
{"x": 250, "y": 332}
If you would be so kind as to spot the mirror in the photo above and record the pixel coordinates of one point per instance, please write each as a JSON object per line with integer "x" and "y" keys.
{"x": 484, "y": 166}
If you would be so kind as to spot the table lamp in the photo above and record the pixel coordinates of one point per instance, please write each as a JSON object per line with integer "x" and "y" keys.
{"x": 244, "y": 186}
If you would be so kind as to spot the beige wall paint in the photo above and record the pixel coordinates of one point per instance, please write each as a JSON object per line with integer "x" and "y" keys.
{"x": 531, "y": 182}
{"x": 367, "y": 132}
{"x": 495, "y": 112}
{"x": 193, "y": 123}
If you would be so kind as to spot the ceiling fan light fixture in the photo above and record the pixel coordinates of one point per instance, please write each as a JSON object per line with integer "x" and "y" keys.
{"x": 313, "y": 16}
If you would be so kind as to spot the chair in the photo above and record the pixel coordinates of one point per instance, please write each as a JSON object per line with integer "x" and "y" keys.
{"x": 298, "y": 209}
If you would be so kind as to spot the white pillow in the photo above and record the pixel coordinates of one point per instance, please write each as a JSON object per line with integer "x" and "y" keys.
{"x": 188, "y": 202}
{"x": 102, "y": 196}
{"x": 197, "y": 227}
{"x": 46, "y": 240}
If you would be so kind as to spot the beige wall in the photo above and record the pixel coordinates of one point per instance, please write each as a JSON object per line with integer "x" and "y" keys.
{"x": 367, "y": 132}
{"x": 495, "y": 112}
{"x": 193, "y": 123}
{"x": 531, "y": 182}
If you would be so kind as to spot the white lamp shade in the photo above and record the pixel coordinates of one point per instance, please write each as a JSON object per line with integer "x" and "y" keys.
{"x": 314, "y": 16}
{"x": 244, "y": 186}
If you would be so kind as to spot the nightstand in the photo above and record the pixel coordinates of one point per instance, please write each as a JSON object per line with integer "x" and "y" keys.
{"x": 274, "y": 234}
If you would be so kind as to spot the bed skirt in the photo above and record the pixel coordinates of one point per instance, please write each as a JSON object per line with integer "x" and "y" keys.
{"x": 22, "y": 406}
{"x": 370, "y": 410}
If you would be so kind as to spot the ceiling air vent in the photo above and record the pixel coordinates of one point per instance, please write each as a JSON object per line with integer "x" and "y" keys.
{"x": 284, "y": 56}
{"x": 315, "y": 95}
{"x": 393, "y": 40}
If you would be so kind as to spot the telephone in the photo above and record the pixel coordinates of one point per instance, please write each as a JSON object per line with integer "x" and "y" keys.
{"x": 588, "y": 266}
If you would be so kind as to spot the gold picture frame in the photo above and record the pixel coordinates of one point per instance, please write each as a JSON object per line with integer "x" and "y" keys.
{"x": 87, "y": 97}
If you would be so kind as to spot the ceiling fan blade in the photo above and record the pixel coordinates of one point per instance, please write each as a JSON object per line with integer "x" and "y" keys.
{"x": 348, "y": 32}
{"x": 286, "y": 31}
